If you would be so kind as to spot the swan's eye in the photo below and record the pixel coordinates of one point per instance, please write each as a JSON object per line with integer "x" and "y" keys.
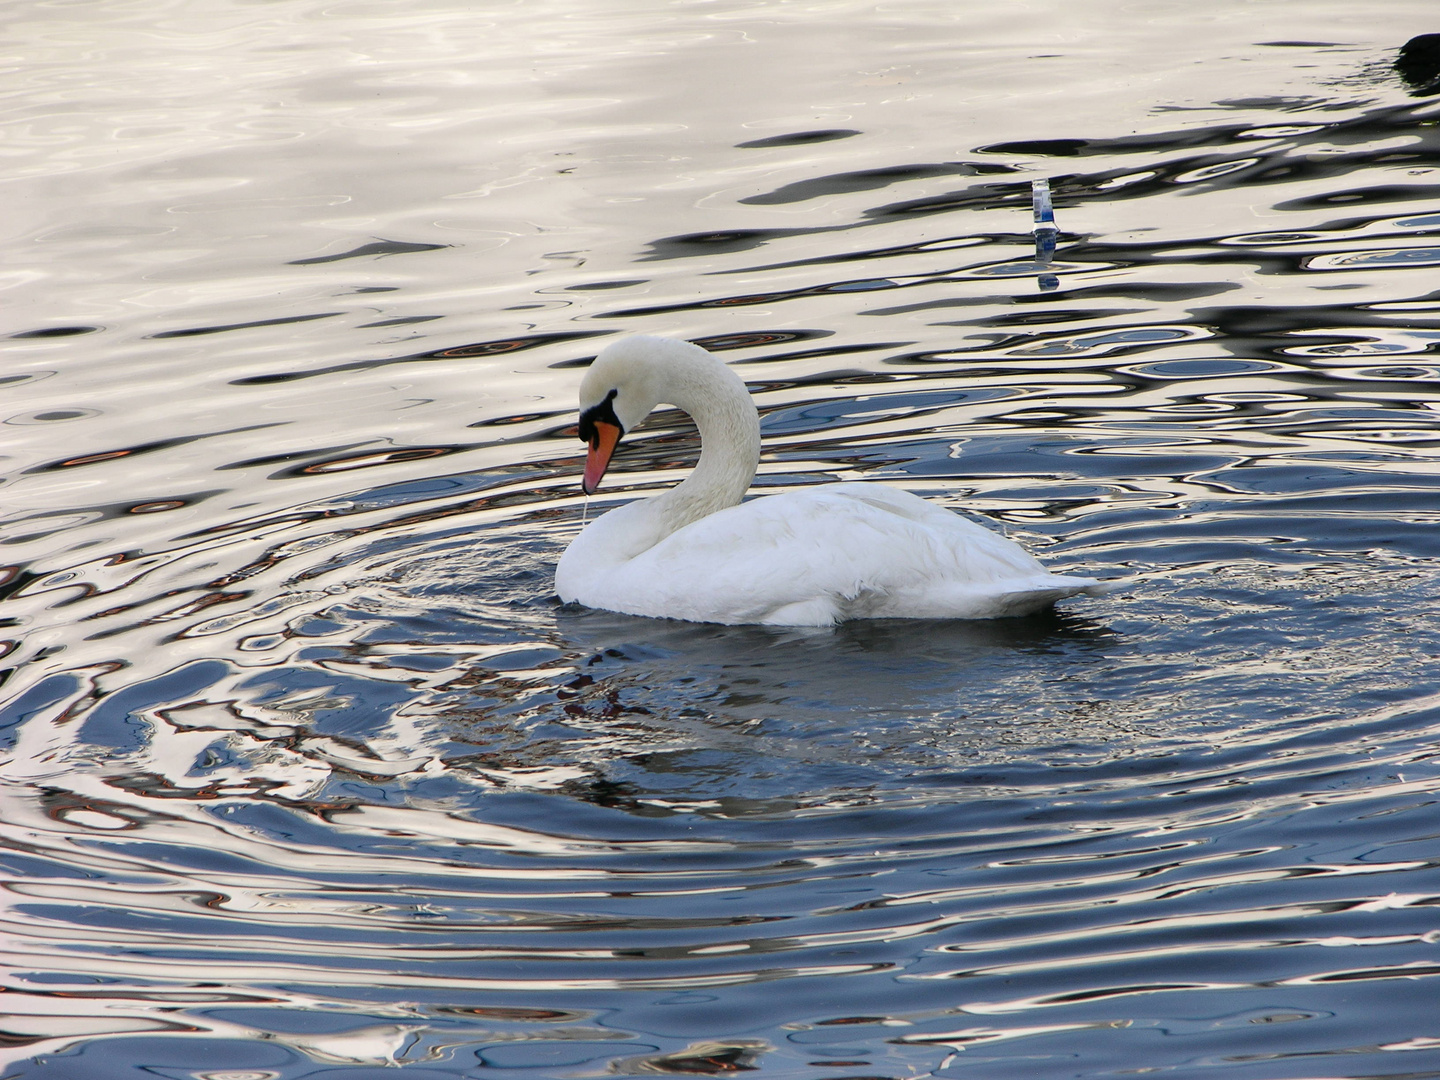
{"x": 603, "y": 413}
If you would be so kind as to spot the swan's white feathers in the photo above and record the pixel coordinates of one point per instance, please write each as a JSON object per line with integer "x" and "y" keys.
{"x": 810, "y": 556}
{"x": 813, "y": 556}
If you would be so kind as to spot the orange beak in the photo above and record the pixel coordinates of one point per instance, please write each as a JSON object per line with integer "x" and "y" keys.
{"x": 598, "y": 459}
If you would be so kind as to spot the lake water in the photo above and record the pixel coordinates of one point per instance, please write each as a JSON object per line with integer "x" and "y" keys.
{"x": 307, "y": 772}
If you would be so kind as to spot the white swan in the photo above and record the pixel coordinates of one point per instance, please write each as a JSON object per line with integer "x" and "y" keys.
{"x": 808, "y": 557}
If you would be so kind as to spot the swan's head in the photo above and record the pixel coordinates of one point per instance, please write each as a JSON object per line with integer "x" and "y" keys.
{"x": 627, "y": 380}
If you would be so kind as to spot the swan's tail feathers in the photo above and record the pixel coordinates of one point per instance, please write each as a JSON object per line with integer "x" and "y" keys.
{"x": 1043, "y": 594}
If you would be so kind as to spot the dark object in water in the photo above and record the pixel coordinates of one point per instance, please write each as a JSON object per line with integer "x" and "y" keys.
{"x": 1419, "y": 64}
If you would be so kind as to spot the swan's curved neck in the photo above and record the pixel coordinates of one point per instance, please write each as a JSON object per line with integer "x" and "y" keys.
{"x": 729, "y": 426}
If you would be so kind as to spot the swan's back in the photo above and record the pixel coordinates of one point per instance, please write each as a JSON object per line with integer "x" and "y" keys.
{"x": 813, "y": 556}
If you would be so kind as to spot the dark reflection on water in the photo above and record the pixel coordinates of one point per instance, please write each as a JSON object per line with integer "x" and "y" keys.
{"x": 309, "y": 774}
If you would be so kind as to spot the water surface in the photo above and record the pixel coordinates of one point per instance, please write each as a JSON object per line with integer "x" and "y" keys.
{"x": 309, "y": 775}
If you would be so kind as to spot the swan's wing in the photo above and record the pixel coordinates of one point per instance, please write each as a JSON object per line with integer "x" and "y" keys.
{"x": 818, "y": 555}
